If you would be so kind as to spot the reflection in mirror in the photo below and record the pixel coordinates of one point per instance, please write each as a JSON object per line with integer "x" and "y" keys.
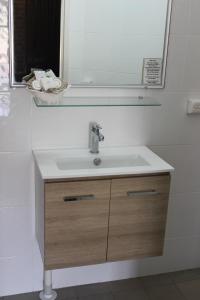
{"x": 35, "y": 40}
{"x": 115, "y": 42}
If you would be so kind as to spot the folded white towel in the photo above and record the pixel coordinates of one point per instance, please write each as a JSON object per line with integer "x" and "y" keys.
{"x": 50, "y": 83}
{"x": 36, "y": 85}
{"x": 50, "y": 74}
{"x": 39, "y": 75}
{"x": 57, "y": 82}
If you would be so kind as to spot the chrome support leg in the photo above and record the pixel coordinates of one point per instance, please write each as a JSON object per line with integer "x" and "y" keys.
{"x": 48, "y": 293}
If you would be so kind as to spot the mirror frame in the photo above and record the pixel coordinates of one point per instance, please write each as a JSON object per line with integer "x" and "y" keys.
{"x": 13, "y": 83}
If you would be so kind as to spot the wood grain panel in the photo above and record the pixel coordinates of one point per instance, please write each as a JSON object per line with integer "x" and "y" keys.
{"x": 137, "y": 223}
{"x": 76, "y": 232}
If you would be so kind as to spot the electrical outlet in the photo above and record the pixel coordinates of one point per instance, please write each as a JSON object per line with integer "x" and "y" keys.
{"x": 193, "y": 106}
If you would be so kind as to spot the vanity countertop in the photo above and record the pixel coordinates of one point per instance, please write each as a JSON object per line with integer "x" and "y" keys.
{"x": 116, "y": 161}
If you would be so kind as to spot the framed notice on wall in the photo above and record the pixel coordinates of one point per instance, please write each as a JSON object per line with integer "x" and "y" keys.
{"x": 152, "y": 71}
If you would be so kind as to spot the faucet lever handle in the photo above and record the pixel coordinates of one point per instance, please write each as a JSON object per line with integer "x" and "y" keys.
{"x": 98, "y": 127}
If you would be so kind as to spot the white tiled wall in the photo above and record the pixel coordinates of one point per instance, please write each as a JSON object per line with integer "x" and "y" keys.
{"x": 168, "y": 130}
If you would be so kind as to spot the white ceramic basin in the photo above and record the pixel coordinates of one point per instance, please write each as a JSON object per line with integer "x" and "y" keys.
{"x": 73, "y": 163}
{"x": 117, "y": 161}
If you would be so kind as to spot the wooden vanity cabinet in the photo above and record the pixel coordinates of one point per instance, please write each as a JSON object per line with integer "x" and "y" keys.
{"x": 76, "y": 223}
{"x": 83, "y": 222}
{"x": 138, "y": 211}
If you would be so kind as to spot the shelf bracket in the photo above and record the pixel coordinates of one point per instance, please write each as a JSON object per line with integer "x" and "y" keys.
{"x": 48, "y": 293}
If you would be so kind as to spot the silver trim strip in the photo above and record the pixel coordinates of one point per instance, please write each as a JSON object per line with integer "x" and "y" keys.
{"x": 78, "y": 198}
{"x": 11, "y": 42}
{"x": 62, "y": 24}
{"x": 142, "y": 193}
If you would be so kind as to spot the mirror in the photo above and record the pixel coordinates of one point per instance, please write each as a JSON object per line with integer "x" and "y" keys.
{"x": 116, "y": 42}
{"x": 96, "y": 43}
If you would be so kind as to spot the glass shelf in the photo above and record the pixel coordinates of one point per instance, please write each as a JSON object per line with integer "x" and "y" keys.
{"x": 95, "y": 101}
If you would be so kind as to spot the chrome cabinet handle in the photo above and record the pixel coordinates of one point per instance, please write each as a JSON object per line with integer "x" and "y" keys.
{"x": 78, "y": 198}
{"x": 143, "y": 193}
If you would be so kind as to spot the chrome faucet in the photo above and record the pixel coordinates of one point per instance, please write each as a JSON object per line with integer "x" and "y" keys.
{"x": 95, "y": 136}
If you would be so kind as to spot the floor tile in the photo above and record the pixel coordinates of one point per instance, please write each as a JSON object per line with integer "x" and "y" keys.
{"x": 107, "y": 296}
{"x": 93, "y": 289}
{"x": 164, "y": 292}
{"x": 190, "y": 289}
{"x": 156, "y": 280}
{"x": 29, "y": 296}
{"x": 131, "y": 295}
{"x": 124, "y": 285}
{"x": 185, "y": 275}
{"x": 66, "y": 293}
{"x": 182, "y": 285}
{"x": 68, "y": 298}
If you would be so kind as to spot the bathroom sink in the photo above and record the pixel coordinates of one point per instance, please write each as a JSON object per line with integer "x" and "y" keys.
{"x": 98, "y": 162}
{"x": 75, "y": 163}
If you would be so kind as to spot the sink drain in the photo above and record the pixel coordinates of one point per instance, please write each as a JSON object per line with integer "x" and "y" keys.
{"x": 97, "y": 161}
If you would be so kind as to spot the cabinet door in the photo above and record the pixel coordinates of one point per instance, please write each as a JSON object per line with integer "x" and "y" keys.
{"x": 76, "y": 223}
{"x": 138, "y": 213}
